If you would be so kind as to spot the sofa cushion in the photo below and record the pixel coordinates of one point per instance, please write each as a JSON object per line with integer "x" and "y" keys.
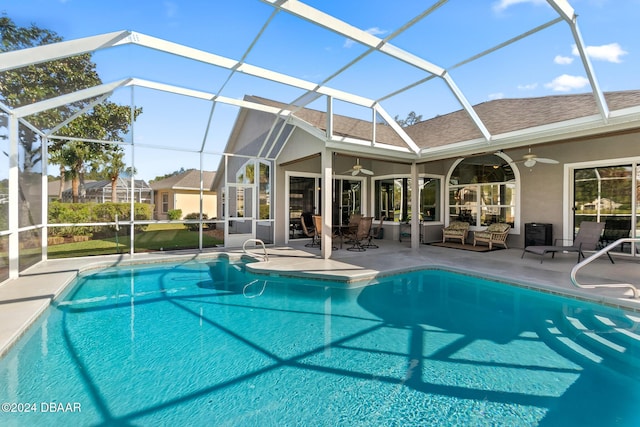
{"x": 455, "y": 232}
{"x": 457, "y": 225}
{"x": 495, "y": 228}
{"x": 498, "y": 227}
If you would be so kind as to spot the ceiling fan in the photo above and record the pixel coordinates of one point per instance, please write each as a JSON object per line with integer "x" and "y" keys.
{"x": 530, "y": 160}
{"x": 357, "y": 168}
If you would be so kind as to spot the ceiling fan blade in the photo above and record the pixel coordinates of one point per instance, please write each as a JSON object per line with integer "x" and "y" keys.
{"x": 355, "y": 172}
{"x": 548, "y": 161}
{"x": 346, "y": 172}
{"x": 366, "y": 171}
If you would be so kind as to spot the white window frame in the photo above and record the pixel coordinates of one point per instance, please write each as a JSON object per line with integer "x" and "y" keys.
{"x": 568, "y": 191}
{"x": 516, "y": 173}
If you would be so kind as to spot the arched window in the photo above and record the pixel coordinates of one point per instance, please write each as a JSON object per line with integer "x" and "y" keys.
{"x": 246, "y": 176}
{"x": 483, "y": 190}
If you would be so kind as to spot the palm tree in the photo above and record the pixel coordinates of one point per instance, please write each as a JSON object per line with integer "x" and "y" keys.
{"x": 56, "y": 158}
{"x": 114, "y": 166}
{"x": 73, "y": 157}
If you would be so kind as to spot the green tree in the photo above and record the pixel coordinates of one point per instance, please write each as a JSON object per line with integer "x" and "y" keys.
{"x": 106, "y": 121}
{"x": 113, "y": 167}
{"x": 23, "y": 86}
{"x": 35, "y": 83}
{"x": 411, "y": 119}
{"x": 169, "y": 175}
{"x": 57, "y": 158}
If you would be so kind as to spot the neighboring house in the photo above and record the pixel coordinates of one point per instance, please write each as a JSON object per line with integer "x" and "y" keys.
{"x": 100, "y": 191}
{"x": 603, "y": 204}
{"x": 53, "y": 189}
{"x": 182, "y": 191}
{"x": 462, "y": 175}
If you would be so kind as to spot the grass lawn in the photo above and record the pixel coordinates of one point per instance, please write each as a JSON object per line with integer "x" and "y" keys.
{"x": 156, "y": 237}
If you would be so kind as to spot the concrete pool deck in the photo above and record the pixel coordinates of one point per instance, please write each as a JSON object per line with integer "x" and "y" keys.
{"x": 23, "y": 300}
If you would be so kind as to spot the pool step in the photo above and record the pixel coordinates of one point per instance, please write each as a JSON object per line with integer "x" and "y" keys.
{"x": 615, "y": 339}
{"x": 561, "y": 342}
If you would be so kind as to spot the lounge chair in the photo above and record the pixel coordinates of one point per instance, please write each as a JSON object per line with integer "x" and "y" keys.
{"x": 496, "y": 233}
{"x": 360, "y": 234}
{"x": 456, "y": 230}
{"x": 306, "y": 221}
{"x": 586, "y": 240}
{"x": 374, "y": 235}
{"x": 614, "y": 229}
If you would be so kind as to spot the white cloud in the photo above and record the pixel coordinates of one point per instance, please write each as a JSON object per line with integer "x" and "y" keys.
{"x": 566, "y": 83}
{"x": 563, "y": 60}
{"x": 501, "y": 5}
{"x": 607, "y": 52}
{"x": 530, "y": 86}
{"x": 375, "y": 31}
{"x": 497, "y": 95}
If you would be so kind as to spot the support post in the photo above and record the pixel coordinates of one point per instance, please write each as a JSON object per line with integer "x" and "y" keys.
{"x": 44, "y": 198}
{"x": 326, "y": 191}
{"x": 415, "y": 207}
{"x": 14, "y": 202}
{"x": 132, "y": 202}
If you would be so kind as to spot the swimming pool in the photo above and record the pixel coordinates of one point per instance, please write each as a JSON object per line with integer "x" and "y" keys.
{"x": 207, "y": 343}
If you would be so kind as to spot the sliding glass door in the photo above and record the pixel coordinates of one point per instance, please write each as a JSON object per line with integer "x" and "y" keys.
{"x": 304, "y": 197}
{"x": 608, "y": 194}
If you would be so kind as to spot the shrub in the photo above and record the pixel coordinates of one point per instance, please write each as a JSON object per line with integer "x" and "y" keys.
{"x": 4, "y": 215}
{"x": 192, "y": 216}
{"x": 174, "y": 214}
{"x": 78, "y": 213}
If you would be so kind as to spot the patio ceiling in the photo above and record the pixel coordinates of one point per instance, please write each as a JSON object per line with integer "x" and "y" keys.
{"x": 413, "y": 72}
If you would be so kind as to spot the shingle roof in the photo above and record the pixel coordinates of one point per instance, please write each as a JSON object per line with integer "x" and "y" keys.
{"x": 507, "y": 115}
{"x": 499, "y": 116}
{"x": 189, "y": 180}
{"x": 98, "y": 185}
{"x": 93, "y": 186}
{"x": 342, "y": 125}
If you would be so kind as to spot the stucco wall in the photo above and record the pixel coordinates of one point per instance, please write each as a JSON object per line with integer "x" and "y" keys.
{"x": 189, "y": 202}
{"x": 541, "y": 187}
{"x": 300, "y": 145}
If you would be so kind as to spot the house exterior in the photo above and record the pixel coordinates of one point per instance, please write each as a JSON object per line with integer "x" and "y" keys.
{"x": 53, "y": 189}
{"x": 100, "y": 191}
{"x": 461, "y": 175}
{"x": 182, "y": 191}
{"x": 482, "y": 164}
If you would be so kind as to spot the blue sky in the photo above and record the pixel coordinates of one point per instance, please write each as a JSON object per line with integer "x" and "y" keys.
{"x": 543, "y": 64}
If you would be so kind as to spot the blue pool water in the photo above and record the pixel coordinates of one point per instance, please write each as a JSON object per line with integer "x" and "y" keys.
{"x": 206, "y": 343}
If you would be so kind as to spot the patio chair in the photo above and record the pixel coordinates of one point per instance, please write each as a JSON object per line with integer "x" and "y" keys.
{"x": 456, "y": 230}
{"x": 374, "y": 235}
{"x": 586, "y": 240}
{"x": 614, "y": 229}
{"x": 354, "y": 219}
{"x": 345, "y": 231}
{"x": 496, "y": 233}
{"x": 306, "y": 221}
{"x": 317, "y": 222}
{"x": 360, "y": 234}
